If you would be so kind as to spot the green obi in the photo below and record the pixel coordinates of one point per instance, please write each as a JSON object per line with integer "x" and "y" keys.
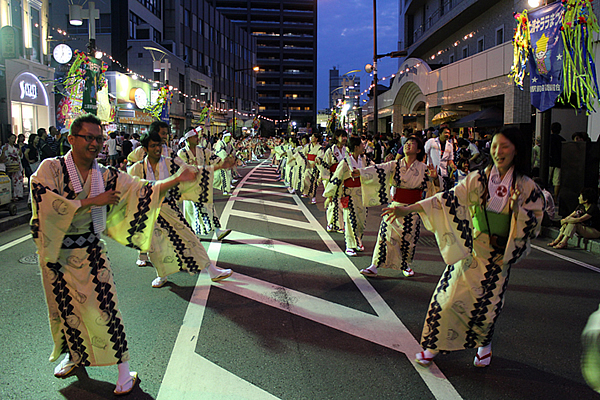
{"x": 500, "y": 222}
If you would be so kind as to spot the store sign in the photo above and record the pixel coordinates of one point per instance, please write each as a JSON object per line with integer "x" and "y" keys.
{"x": 139, "y": 118}
{"x": 27, "y": 88}
{"x": 139, "y": 97}
{"x": 9, "y": 42}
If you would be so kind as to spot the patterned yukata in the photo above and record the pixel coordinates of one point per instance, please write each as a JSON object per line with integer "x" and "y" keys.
{"x": 470, "y": 293}
{"x": 396, "y": 241}
{"x": 343, "y": 185}
{"x": 13, "y": 164}
{"x": 201, "y": 216}
{"x": 76, "y": 274}
{"x": 175, "y": 247}
{"x": 222, "y": 180}
{"x": 329, "y": 162}
{"x": 290, "y": 163}
{"x": 311, "y": 172}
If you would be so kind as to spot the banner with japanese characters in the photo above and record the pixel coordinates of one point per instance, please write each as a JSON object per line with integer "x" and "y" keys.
{"x": 545, "y": 57}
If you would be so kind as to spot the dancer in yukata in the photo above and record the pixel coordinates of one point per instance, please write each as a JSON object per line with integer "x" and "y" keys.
{"x": 174, "y": 246}
{"x": 406, "y": 180}
{"x": 329, "y": 163}
{"x": 74, "y": 200}
{"x": 201, "y": 216}
{"x": 348, "y": 189}
{"x": 483, "y": 226}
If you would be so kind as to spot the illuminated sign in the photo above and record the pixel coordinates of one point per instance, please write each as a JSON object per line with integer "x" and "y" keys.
{"x": 27, "y": 88}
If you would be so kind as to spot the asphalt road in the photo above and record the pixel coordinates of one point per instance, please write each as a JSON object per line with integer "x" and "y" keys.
{"x": 297, "y": 320}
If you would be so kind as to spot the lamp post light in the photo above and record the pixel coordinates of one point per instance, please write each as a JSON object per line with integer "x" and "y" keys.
{"x": 235, "y": 71}
{"x": 76, "y": 16}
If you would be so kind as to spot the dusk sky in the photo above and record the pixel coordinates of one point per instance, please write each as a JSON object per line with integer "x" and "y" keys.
{"x": 345, "y": 40}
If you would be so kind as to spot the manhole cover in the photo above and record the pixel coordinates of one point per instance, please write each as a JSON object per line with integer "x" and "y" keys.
{"x": 30, "y": 259}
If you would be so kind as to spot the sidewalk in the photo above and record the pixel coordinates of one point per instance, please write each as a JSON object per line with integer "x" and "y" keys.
{"x": 22, "y": 217}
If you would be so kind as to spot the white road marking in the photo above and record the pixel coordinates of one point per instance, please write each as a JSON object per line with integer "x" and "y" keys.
{"x": 572, "y": 260}
{"x": 180, "y": 380}
{"x": 15, "y": 242}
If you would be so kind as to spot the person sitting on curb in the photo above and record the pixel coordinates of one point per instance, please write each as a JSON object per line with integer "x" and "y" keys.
{"x": 585, "y": 220}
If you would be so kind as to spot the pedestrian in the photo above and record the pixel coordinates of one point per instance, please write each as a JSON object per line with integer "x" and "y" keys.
{"x": 555, "y": 157}
{"x": 135, "y": 141}
{"x": 127, "y": 146}
{"x": 30, "y": 153}
{"x": 440, "y": 154}
{"x": 52, "y": 139}
{"x": 44, "y": 149}
{"x": 345, "y": 187}
{"x": 174, "y": 246}
{"x": 405, "y": 181}
{"x": 479, "y": 254}
{"x": 584, "y": 221}
{"x": 329, "y": 163}
{"x": 70, "y": 196}
{"x": 11, "y": 155}
{"x": 111, "y": 147}
{"x": 201, "y": 215}
{"x": 63, "y": 142}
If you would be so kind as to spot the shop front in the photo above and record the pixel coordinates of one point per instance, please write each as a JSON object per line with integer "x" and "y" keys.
{"x": 29, "y": 104}
{"x": 132, "y": 97}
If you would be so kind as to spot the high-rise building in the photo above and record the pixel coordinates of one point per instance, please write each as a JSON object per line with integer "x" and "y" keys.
{"x": 195, "y": 48}
{"x": 286, "y": 34}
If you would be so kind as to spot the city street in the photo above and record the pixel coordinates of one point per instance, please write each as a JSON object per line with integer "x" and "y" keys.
{"x": 297, "y": 320}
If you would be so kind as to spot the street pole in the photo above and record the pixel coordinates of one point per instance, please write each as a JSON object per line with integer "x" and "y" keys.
{"x": 234, "y": 101}
{"x": 375, "y": 103}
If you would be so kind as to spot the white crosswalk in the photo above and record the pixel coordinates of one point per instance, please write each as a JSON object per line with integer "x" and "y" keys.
{"x": 384, "y": 328}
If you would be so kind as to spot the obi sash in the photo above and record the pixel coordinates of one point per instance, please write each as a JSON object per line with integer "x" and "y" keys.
{"x": 352, "y": 182}
{"x": 311, "y": 157}
{"x": 333, "y": 168}
{"x": 407, "y": 196}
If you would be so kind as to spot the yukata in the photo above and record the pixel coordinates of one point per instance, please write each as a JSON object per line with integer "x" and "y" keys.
{"x": 222, "y": 180}
{"x": 139, "y": 153}
{"x": 329, "y": 163}
{"x": 290, "y": 163}
{"x": 342, "y": 186}
{"x": 175, "y": 247}
{"x": 470, "y": 294}
{"x": 396, "y": 184}
{"x": 311, "y": 172}
{"x": 202, "y": 217}
{"x": 76, "y": 273}
{"x": 299, "y": 168}
{"x": 14, "y": 169}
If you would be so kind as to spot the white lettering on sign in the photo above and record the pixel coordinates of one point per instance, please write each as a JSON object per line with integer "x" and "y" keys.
{"x": 28, "y": 90}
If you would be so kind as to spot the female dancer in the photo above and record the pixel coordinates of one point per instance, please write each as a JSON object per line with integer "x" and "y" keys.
{"x": 346, "y": 188}
{"x": 329, "y": 163}
{"x": 483, "y": 226}
{"x": 407, "y": 178}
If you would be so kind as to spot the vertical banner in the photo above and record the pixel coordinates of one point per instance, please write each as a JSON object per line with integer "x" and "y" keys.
{"x": 166, "y": 108}
{"x": 92, "y": 77}
{"x": 545, "y": 58}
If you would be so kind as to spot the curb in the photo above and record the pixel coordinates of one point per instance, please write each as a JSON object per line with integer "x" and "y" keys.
{"x": 14, "y": 221}
{"x": 589, "y": 245}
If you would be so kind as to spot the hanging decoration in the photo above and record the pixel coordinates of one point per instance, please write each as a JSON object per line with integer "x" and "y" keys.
{"x": 332, "y": 123}
{"x": 157, "y": 110}
{"x": 556, "y": 40}
{"x": 581, "y": 86}
{"x": 256, "y": 123}
{"x": 83, "y": 82}
{"x": 521, "y": 49}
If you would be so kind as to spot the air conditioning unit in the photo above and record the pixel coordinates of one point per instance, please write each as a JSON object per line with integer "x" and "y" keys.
{"x": 169, "y": 45}
{"x": 143, "y": 31}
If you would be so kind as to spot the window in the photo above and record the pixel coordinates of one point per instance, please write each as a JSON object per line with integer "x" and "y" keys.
{"x": 186, "y": 17}
{"x": 140, "y": 55}
{"x": 480, "y": 46}
{"x": 35, "y": 34}
{"x": 451, "y": 58}
{"x": 152, "y": 5}
{"x": 500, "y": 35}
{"x": 134, "y": 21}
{"x": 465, "y": 52}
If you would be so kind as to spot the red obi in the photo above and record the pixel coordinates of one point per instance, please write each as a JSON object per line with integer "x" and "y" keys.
{"x": 352, "y": 182}
{"x": 408, "y": 196}
{"x": 311, "y": 157}
{"x": 333, "y": 167}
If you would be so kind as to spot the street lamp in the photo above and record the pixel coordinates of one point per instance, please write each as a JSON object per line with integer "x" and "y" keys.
{"x": 235, "y": 71}
{"x": 76, "y": 16}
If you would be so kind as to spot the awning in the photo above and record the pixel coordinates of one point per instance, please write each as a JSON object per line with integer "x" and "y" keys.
{"x": 485, "y": 118}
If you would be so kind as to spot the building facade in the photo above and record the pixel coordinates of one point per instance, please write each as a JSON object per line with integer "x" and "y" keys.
{"x": 185, "y": 44}
{"x": 286, "y": 34}
{"x": 26, "y": 96}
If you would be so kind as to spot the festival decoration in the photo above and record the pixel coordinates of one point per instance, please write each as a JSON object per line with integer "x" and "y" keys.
{"x": 84, "y": 80}
{"x": 161, "y": 107}
{"x": 332, "y": 123}
{"x": 580, "y": 84}
{"x": 521, "y": 49}
{"x": 256, "y": 123}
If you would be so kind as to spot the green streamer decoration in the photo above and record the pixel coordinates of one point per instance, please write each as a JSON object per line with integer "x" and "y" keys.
{"x": 521, "y": 49}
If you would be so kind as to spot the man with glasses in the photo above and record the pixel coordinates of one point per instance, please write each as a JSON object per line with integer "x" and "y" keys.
{"x": 70, "y": 196}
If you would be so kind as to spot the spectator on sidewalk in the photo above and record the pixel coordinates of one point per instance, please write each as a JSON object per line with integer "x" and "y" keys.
{"x": 555, "y": 155}
{"x": 11, "y": 155}
{"x": 584, "y": 221}
{"x": 30, "y": 154}
{"x": 52, "y": 139}
{"x": 44, "y": 149}
{"x": 111, "y": 146}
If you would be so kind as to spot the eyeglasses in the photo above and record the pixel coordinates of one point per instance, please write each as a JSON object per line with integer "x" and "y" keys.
{"x": 91, "y": 138}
